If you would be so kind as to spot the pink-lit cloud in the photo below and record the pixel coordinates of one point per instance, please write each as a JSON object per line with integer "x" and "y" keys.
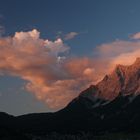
{"x": 119, "y": 52}
{"x": 52, "y": 76}
{"x": 135, "y": 36}
{"x": 70, "y": 35}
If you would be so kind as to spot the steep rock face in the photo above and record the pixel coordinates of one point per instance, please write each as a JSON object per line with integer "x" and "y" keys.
{"x": 124, "y": 79}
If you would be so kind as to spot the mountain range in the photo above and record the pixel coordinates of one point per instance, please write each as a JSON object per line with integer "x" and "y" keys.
{"x": 112, "y": 105}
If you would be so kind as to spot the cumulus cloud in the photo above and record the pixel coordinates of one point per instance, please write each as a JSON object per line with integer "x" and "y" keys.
{"x": 70, "y": 35}
{"x": 52, "y": 76}
{"x": 118, "y": 52}
{"x": 135, "y": 36}
{"x": 33, "y": 59}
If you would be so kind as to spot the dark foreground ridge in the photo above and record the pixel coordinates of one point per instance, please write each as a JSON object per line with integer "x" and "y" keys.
{"x": 122, "y": 115}
{"x": 96, "y": 110}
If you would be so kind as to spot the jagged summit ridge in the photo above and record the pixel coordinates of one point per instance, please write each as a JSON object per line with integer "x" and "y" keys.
{"x": 137, "y": 60}
{"x": 123, "y": 79}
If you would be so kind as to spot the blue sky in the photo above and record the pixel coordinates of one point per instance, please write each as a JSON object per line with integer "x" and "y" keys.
{"x": 96, "y": 22}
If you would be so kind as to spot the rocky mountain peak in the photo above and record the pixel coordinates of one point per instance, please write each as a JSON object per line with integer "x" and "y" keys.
{"x": 123, "y": 79}
{"x": 137, "y": 60}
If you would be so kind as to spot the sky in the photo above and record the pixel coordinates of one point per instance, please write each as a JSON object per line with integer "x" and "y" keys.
{"x": 52, "y": 50}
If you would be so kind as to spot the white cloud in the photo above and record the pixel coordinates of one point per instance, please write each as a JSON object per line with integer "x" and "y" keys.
{"x": 70, "y": 35}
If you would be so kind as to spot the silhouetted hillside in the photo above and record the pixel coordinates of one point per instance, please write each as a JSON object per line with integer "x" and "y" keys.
{"x": 89, "y": 112}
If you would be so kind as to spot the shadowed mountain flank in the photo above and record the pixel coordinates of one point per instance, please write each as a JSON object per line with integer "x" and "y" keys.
{"x": 112, "y": 105}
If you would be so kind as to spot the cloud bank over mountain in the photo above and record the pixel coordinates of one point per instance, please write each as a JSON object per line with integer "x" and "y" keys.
{"x": 51, "y": 75}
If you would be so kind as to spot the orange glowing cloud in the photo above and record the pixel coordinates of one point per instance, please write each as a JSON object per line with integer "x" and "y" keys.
{"x": 54, "y": 78}
{"x": 118, "y": 52}
{"x": 135, "y": 36}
